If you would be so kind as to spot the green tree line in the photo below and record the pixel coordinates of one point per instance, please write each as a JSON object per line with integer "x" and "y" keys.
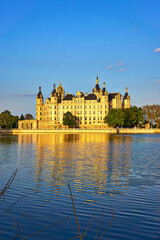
{"x": 128, "y": 117}
{"x": 134, "y": 116}
{"x": 7, "y": 120}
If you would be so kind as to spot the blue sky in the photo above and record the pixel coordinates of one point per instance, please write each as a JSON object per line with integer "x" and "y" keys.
{"x": 42, "y": 42}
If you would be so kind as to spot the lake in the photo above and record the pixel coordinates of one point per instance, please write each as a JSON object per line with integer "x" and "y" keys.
{"x": 114, "y": 181}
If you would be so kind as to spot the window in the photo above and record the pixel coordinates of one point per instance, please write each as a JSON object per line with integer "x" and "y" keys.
{"x": 93, "y": 112}
{"x": 55, "y": 112}
{"x": 89, "y": 106}
{"x": 85, "y": 107}
{"x": 85, "y": 118}
{"x": 54, "y": 107}
{"x": 94, "y": 106}
{"x": 89, "y": 112}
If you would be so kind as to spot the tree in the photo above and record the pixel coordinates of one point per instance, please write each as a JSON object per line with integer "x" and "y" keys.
{"x": 152, "y": 114}
{"x": 7, "y": 120}
{"x": 28, "y": 116}
{"x": 22, "y": 117}
{"x": 68, "y": 119}
{"x": 115, "y": 118}
{"x": 133, "y": 117}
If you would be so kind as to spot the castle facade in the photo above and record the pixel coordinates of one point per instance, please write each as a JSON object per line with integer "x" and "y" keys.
{"x": 89, "y": 109}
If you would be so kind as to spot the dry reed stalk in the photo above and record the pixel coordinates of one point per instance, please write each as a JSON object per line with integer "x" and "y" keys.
{"x": 8, "y": 183}
{"x": 108, "y": 226}
{"x": 88, "y": 227}
{"x": 13, "y": 205}
{"x": 45, "y": 228}
{"x": 80, "y": 236}
{"x": 99, "y": 224}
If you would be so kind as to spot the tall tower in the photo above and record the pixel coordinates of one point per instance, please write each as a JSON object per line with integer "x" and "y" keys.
{"x": 126, "y": 100}
{"x": 39, "y": 105}
{"x": 97, "y": 90}
{"x": 54, "y": 95}
{"x": 60, "y": 92}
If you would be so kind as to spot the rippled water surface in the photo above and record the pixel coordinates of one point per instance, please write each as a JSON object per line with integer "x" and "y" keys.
{"x": 114, "y": 180}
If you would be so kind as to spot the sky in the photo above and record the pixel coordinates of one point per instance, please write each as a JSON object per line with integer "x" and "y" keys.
{"x": 44, "y": 41}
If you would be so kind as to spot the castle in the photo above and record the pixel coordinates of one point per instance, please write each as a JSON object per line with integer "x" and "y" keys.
{"x": 89, "y": 109}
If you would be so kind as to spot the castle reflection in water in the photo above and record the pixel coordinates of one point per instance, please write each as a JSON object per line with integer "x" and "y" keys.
{"x": 86, "y": 160}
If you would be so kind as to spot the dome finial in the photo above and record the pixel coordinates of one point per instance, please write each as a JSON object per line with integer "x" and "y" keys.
{"x": 54, "y": 86}
{"x": 60, "y": 83}
{"x": 126, "y": 89}
{"x": 39, "y": 88}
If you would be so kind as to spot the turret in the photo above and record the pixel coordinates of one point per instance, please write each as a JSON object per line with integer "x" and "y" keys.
{"x": 39, "y": 105}
{"x": 39, "y": 98}
{"x": 126, "y": 99}
{"x": 54, "y": 95}
{"x": 60, "y": 92}
{"x": 104, "y": 92}
{"x": 97, "y": 88}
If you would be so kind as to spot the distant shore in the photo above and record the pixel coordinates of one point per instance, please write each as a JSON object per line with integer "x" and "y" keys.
{"x": 110, "y": 131}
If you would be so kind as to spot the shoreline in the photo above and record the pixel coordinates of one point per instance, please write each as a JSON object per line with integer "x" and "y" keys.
{"x": 109, "y": 131}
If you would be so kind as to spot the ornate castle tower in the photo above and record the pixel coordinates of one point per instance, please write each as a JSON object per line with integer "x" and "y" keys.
{"x": 39, "y": 105}
{"x": 54, "y": 95}
{"x": 97, "y": 90}
{"x": 60, "y": 91}
{"x": 126, "y": 100}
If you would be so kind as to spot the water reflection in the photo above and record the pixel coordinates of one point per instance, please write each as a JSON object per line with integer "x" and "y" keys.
{"x": 100, "y": 162}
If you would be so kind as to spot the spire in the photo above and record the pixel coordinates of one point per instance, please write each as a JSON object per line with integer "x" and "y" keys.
{"x": 97, "y": 80}
{"x": 60, "y": 83}
{"x": 104, "y": 84}
{"x": 54, "y": 86}
{"x": 126, "y": 90}
{"x": 39, "y": 95}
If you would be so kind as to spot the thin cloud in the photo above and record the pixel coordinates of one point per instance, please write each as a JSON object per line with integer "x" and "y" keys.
{"x": 157, "y": 81}
{"x": 134, "y": 28}
{"x": 119, "y": 64}
{"x": 123, "y": 70}
{"x": 26, "y": 95}
{"x": 110, "y": 67}
{"x": 157, "y": 50}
